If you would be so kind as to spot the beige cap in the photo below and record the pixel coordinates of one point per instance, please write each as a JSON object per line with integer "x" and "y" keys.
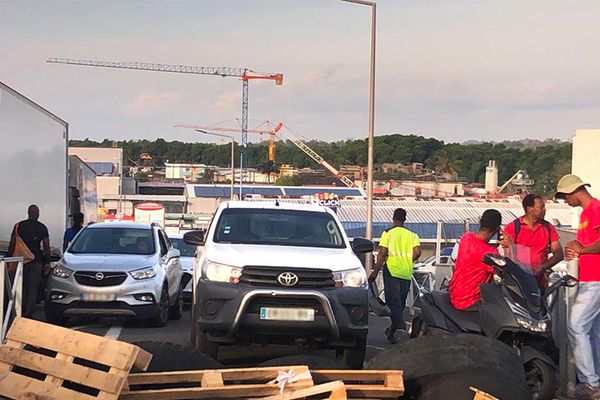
{"x": 568, "y": 184}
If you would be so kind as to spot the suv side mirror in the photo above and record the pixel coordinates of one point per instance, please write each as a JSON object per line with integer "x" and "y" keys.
{"x": 361, "y": 245}
{"x": 195, "y": 238}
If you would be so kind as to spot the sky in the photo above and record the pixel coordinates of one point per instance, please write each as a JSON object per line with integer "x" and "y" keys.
{"x": 452, "y": 70}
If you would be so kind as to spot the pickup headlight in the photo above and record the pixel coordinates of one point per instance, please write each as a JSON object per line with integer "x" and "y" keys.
{"x": 143, "y": 273}
{"x": 351, "y": 278}
{"x": 60, "y": 271}
{"x": 220, "y": 272}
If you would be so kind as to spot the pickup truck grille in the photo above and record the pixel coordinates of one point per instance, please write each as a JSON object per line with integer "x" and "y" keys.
{"x": 284, "y": 302}
{"x": 90, "y": 278}
{"x": 308, "y": 278}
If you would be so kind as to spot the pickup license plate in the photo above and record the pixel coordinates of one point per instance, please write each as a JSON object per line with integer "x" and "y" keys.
{"x": 287, "y": 314}
{"x": 98, "y": 296}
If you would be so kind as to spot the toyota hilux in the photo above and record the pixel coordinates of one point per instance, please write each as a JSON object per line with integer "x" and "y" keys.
{"x": 279, "y": 273}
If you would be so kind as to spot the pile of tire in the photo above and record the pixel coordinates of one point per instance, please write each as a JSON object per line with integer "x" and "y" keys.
{"x": 446, "y": 367}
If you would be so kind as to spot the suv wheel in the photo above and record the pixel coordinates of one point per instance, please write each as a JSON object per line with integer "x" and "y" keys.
{"x": 206, "y": 346}
{"x": 162, "y": 316}
{"x": 354, "y": 357}
{"x": 176, "y": 310}
{"x": 54, "y": 317}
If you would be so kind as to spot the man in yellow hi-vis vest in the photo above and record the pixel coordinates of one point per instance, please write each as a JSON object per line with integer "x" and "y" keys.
{"x": 398, "y": 248}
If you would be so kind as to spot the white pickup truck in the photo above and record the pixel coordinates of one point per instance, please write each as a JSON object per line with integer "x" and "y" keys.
{"x": 271, "y": 272}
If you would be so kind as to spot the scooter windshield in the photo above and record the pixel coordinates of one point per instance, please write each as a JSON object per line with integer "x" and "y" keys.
{"x": 520, "y": 277}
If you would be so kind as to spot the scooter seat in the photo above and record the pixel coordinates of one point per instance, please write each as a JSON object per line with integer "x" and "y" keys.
{"x": 466, "y": 320}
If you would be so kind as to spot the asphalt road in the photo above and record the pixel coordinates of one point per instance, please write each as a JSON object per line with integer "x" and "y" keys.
{"x": 131, "y": 330}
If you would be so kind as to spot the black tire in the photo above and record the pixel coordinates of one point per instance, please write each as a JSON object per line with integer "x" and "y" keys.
{"x": 162, "y": 316}
{"x": 54, "y": 317}
{"x": 312, "y": 361}
{"x": 168, "y": 356}
{"x": 418, "y": 328}
{"x": 437, "y": 355}
{"x": 176, "y": 310}
{"x": 457, "y": 387}
{"x": 204, "y": 345}
{"x": 354, "y": 357}
{"x": 541, "y": 379}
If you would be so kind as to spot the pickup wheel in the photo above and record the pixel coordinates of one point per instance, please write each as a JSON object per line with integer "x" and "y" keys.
{"x": 204, "y": 345}
{"x": 162, "y": 316}
{"x": 354, "y": 357}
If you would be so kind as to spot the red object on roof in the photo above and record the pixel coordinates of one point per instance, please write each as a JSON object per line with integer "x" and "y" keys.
{"x": 149, "y": 206}
{"x": 379, "y": 190}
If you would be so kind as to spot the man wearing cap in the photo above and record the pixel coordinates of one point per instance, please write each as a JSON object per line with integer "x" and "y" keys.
{"x": 584, "y": 322}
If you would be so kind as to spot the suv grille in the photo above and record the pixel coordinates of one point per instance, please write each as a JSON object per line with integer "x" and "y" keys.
{"x": 89, "y": 278}
{"x": 267, "y": 276}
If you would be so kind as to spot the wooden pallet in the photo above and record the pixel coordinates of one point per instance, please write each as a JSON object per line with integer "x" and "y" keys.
{"x": 258, "y": 383}
{"x": 47, "y": 362}
{"x": 211, "y": 384}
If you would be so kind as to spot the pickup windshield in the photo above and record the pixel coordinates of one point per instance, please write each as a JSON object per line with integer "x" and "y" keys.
{"x": 278, "y": 227}
{"x": 114, "y": 240}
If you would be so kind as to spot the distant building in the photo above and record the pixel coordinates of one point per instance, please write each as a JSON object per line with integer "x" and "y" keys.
{"x": 188, "y": 172}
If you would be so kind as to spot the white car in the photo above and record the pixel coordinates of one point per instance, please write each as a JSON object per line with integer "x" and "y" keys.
{"x": 187, "y": 260}
{"x": 280, "y": 273}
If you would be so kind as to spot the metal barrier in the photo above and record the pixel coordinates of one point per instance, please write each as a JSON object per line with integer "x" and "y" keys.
{"x": 11, "y": 293}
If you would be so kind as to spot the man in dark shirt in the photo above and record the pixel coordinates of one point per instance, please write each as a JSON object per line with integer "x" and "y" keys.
{"x": 34, "y": 234}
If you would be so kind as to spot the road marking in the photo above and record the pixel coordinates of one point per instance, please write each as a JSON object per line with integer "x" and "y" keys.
{"x": 114, "y": 332}
{"x": 376, "y": 347}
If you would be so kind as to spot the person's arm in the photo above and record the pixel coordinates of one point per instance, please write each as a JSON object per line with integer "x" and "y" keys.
{"x": 574, "y": 248}
{"x": 11, "y": 245}
{"x": 557, "y": 256}
{"x": 381, "y": 256}
{"x": 416, "y": 253}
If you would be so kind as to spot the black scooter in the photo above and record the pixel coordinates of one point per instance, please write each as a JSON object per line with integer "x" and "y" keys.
{"x": 513, "y": 310}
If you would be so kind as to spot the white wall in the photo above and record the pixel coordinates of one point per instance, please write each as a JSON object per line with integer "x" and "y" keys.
{"x": 586, "y": 162}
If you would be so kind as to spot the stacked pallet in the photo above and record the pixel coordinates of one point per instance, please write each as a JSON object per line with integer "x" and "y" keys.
{"x": 43, "y": 361}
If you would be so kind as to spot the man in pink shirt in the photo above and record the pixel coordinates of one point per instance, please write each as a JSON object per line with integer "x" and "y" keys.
{"x": 584, "y": 322}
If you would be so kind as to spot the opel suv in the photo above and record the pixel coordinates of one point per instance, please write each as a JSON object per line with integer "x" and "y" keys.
{"x": 117, "y": 269}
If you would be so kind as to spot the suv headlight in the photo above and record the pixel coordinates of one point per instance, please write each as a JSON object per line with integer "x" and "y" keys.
{"x": 143, "y": 273}
{"x": 60, "y": 271}
{"x": 351, "y": 278}
{"x": 220, "y": 272}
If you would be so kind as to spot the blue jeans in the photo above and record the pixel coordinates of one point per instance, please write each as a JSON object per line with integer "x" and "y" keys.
{"x": 584, "y": 332}
{"x": 396, "y": 291}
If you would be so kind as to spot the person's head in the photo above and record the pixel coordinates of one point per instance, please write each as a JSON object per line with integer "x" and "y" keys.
{"x": 33, "y": 212}
{"x": 78, "y": 218}
{"x": 572, "y": 189}
{"x": 142, "y": 244}
{"x": 399, "y": 216}
{"x": 490, "y": 222}
{"x": 534, "y": 206}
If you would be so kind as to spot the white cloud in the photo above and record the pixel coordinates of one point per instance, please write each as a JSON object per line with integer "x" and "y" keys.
{"x": 148, "y": 101}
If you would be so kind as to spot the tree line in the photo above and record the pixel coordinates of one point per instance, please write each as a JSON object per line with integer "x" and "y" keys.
{"x": 545, "y": 161}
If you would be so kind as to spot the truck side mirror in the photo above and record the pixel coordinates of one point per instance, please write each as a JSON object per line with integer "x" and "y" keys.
{"x": 361, "y": 245}
{"x": 195, "y": 238}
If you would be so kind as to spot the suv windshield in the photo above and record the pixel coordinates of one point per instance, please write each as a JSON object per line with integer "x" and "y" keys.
{"x": 186, "y": 250}
{"x": 114, "y": 240}
{"x": 278, "y": 227}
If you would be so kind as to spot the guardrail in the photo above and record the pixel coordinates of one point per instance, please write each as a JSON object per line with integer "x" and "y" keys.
{"x": 11, "y": 293}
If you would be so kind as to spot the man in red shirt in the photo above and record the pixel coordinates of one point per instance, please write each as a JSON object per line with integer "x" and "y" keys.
{"x": 536, "y": 239}
{"x": 584, "y": 322}
{"x": 469, "y": 270}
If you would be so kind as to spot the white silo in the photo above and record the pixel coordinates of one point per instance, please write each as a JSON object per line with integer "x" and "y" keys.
{"x": 491, "y": 177}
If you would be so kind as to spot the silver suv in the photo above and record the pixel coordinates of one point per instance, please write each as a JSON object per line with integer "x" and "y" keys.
{"x": 117, "y": 269}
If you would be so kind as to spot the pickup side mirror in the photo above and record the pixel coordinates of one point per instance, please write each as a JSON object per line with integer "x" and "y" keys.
{"x": 195, "y": 238}
{"x": 361, "y": 245}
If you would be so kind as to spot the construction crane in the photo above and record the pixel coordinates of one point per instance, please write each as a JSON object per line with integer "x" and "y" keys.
{"x": 271, "y": 132}
{"x": 244, "y": 73}
{"x": 291, "y": 137}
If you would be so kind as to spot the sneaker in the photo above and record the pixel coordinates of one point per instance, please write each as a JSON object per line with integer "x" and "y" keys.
{"x": 585, "y": 391}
